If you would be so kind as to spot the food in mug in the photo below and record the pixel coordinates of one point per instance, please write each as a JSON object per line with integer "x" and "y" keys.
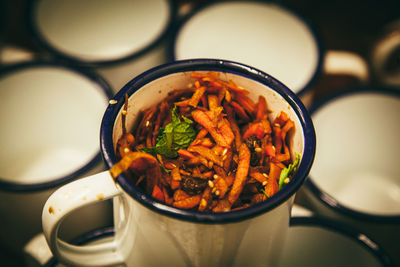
{"x": 208, "y": 147}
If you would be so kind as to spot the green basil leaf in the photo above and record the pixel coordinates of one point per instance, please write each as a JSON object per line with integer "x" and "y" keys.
{"x": 286, "y": 172}
{"x": 176, "y": 135}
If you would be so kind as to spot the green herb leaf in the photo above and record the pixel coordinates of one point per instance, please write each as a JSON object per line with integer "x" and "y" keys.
{"x": 265, "y": 193}
{"x": 176, "y": 135}
{"x": 286, "y": 172}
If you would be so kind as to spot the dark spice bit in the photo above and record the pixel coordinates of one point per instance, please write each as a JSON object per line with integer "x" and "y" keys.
{"x": 193, "y": 185}
{"x": 252, "y": 142}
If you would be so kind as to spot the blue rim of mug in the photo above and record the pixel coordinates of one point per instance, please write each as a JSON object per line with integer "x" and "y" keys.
{"x": 57, "y": 181}
{"x": 236, "y": 68}
{"x": 84, "y": 239}
{"x": 345, "y": 230}
{"x": 284, "y": 6}
{"x": 61, "y": 56}
{"x": 320, "y": 194}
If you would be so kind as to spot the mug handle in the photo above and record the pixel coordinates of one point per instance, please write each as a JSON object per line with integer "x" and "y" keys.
{"x": 66, "y": 199}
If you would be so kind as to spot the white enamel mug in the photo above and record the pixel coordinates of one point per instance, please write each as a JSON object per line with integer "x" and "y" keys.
{"x": 150, "y": 233}
{"x": 355, "y": 176}
{"x": 49, "y": 116}
{"x": 120, "y": 39}
{"x": 314, "y": 241}
{"x": 266, "y": 35}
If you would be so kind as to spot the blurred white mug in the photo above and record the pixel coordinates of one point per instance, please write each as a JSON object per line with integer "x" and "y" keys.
{"x": 49, "y": 115}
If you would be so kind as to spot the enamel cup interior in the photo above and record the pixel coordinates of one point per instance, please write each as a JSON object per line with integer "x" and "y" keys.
{"x": 316, "y": 245}
{"x": 156, "y": 90}
{"x": 101, "y": 30}
{"x": 50, "y": 123}
{"x": 264, "y": 35}
{"x": 356, "y": 159}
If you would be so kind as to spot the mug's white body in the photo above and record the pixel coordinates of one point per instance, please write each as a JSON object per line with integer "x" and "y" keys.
{"x": 151, "y": 239}
{"x": 144, "y": 237}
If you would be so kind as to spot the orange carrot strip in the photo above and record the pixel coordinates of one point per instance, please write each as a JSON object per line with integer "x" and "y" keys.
{"x": 183, "y": 103}
{"x": 188, "y": 203}
{"x": 194, "y": 161}
{"x": 146, "y": 160}
{"x": 245, "y": 102}
{"x": 185, "y": 154}
{"x": 285, "y": 156}
{"x": 225, "y": 129}
{"x": 157, "y": 193}
{"x": 286, "y": 128}
{"x": 258, "y": 176}
{"x": 235, "y": 128}
{"x": 281, "y": 119}
{"x": 204, "y": 120}
{"x": 204, "y": 101}
{"x": 270, "y": 149}
{"x": 239, "y": 111}
{"x": 195, "y": 99}
{"x": 176, "y": 178}
{"x": 241, "y": 173}
{"x": 207, "y": 153}
{"x": 277, "y": 138}
{"x": 231, "y": 85}
{"x": 212, "y": 102}
{"x": 222, "y": 187}
{"x": 179, "y": 195}
{"x": 167, "y": 199}
{"x": 222, "y": 206}
{"x": 272, "y": 185}
{"x": 206, "y": 142}
{"x": 261, "y": 108}
{"x": 169, "y": 165}
{"x": 205, "y": 199}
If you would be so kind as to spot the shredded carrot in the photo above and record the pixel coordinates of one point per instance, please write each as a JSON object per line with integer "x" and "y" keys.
{"x": 231, "y": 159}
{"x": 207, "y": 153}
{"x": 187, "y": 203}
{"x": 197, "y": 96}
{"x": 272, "y": 185}
{"x": 241, "y": 173}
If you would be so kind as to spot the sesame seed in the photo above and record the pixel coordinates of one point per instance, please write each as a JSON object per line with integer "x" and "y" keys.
{"x": 124, "y": 112}
{"x": 112, "y": 102}
{"x": 277, "y": 125}
{"x": 215, "y": 176}
{"x": 265, "y": 175}
{"x": 217, "y": 192}
{"x": 224, "y": 152}
{"x": 147, "y": 123}
{"x": 287, "y": 180}
{"x": 213, "y": 190}
{"x": 224, "y": 157}
{"x": 126, "y": 150}
{"x": 264, "y": 183}
{"x": 210, "y": 183}
{"x": 173, "y": 165}
{"x": 258, "y": 149}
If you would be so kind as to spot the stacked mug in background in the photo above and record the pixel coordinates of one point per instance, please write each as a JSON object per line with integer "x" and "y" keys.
{"x": 84, "y": 54}
{"x": 50, "y": 118}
